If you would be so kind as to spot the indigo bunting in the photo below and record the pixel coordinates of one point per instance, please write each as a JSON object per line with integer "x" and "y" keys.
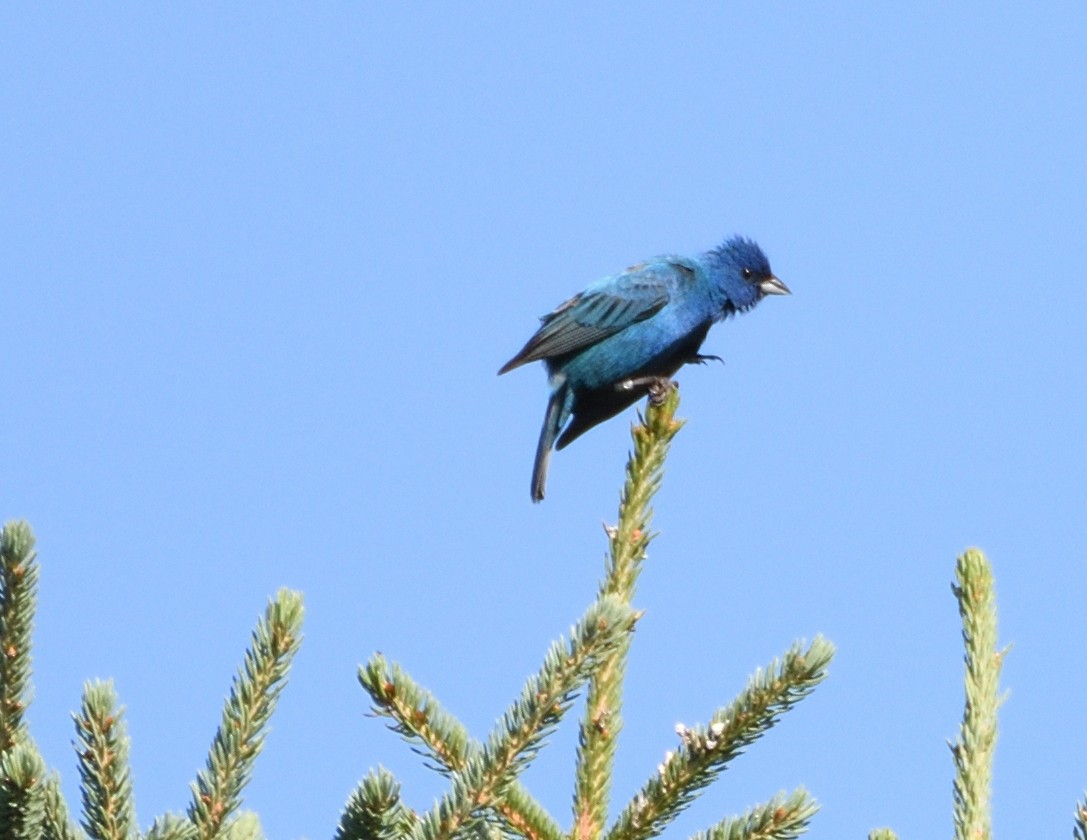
{"x": 610, "y": 345}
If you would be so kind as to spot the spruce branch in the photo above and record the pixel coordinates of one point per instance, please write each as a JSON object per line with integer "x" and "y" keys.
{"x": 20, "y": 760}
{"x": 486, "y": 776}
{"x": 973, "y": 751}
{"x": 375, "y": 812}
{"x": 22, "y": 798}
{"x": 56, "y": 824}
{"x": 782, "y": 818}
{"x": 628, "y": 542}
{"x": 18, "y": 597}
{"x": 644, "y": 473}
{"x": 417, "y": 714}
{"x": 172, "y": 827}
{"x": 1079, "y": 832}
{"x": 704, "y": 752}
{"x": 419, "y": 717}
{"x": 245, "y": 826}
{"x": 109, "y": 810}
{"x": 217, "y": 790}
{"x": 522, "y": 816}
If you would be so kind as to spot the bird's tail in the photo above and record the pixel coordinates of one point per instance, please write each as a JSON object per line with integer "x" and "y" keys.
{"x": 557, "y": 411}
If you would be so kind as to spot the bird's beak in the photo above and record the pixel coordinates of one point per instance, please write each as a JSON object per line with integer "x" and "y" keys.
{"x": 772, "y": 286}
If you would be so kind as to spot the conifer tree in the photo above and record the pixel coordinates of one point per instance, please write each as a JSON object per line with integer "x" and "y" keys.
{"x": 485, "y": 798}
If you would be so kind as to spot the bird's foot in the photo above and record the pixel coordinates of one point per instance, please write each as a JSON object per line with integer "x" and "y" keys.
{"x": 699, "y": 359}
{"x": 657, "y": 386}
{"x": 660, "y": 388}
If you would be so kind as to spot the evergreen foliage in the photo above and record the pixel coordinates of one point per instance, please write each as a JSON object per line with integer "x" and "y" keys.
{"x": 18, "y": 594}
{"x": 973, "y": 752}
{"x": 627, "y": 543}
{"x": 217, "y": 790}
{"x": 783, "y": 817}
{"x": 109, "y": 811}
{"x": 705, "y": 751}
{"x": 22, "y": 805}
{"x": 374, "y": 810}
{"x": 485, "y": 799}
{"x": 31, "y": 805}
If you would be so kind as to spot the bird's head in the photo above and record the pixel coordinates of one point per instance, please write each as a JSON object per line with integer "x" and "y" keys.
{"x": 743, "y": 273}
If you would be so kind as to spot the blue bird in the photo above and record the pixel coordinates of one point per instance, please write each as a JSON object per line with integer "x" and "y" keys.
{"x": 620, "y": 338}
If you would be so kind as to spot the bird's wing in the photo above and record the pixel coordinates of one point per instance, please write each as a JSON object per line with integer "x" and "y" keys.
{"x": 602, "y": 310}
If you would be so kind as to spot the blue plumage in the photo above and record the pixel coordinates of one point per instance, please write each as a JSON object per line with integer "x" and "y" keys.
{"x": 603, "y": 347}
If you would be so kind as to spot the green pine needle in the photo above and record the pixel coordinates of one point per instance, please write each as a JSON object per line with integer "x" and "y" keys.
{"x": 644, "y": 474}
{"x": 973, "y": 751}
{"x": 18, "y": 597}
{"x": 109, "y": 810}
{"x": 57, "y": 825}
{"x": 1079, "y": 832}
{"x": 704, "y": 752}
{"x": 417, "y": 714}
{"x": 22, "y": 798}
{"x": 628, "y": 542}
{"x": 245, "y": 826}
{"x": 782, "y": 818}
{"x": 486, "y": 776}
{"x": 172, "y": 827}
{"x": 374, "y": 811}
{"x": 217, "y": 790}
{"x": 419, "y": 717}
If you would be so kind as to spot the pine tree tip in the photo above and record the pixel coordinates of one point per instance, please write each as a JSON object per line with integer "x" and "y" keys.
{"x": 16, "y": 538}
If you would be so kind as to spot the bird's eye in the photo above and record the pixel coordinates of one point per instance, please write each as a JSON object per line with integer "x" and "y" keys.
{"x": 748, "y": 273}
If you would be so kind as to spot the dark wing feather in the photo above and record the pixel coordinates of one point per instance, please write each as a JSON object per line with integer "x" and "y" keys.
{"x": 595, "y": 314}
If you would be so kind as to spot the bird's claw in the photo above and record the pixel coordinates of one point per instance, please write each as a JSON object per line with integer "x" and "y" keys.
{"x": 656, "y": 386}
{"x": 699, "y": 359}
{"x": 659, "y": 389}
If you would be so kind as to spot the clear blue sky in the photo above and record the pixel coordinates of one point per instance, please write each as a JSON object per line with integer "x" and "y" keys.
{"x": 261, "y": 263}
